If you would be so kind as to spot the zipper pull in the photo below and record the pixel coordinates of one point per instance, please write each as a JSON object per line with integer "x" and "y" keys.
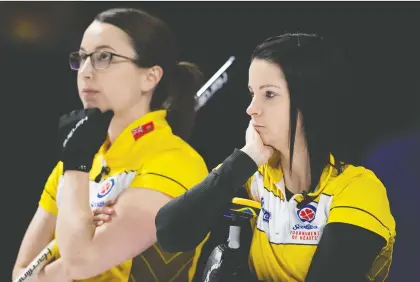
{"x": 306, "y": 200}
{"x": 105, "y": 170}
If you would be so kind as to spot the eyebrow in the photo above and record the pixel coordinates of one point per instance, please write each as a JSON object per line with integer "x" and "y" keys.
{"x": 99, "y": 48}
{"x": 265, "y": 86}
{"x": 269, "y": 85}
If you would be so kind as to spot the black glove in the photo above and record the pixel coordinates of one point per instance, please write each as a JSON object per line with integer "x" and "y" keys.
{"x": 81, "y": 134}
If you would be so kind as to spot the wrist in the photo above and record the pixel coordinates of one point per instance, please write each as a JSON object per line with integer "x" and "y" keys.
{"x": 77, "y": 164}
{"x": 78, "y": 180}
{"x": 55, "y": 271}
{"x": 247, "y": 150}
{"x": 76, "y": 174}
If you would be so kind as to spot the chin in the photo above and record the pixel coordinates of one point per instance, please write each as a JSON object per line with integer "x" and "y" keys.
{"x": 91, "y": 106}
{"x": 269, "y": 142}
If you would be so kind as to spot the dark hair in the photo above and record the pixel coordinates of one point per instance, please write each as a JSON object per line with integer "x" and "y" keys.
{"x": 154, "y": 45}
{"x": 317, "y": 77}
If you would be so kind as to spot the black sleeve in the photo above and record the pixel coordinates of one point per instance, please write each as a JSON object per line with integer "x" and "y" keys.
{"x": 185, "y": 221}
{"x": 345, "y": 253}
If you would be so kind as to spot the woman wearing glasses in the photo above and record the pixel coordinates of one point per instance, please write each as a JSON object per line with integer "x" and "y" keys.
{"x": 126, "y": 65}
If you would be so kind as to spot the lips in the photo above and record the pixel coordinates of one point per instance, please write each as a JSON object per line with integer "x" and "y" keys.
{"x": 89, "y": 91}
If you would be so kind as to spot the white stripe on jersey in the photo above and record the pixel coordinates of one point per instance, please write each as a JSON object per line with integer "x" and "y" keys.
{"x": 106, "y": 190}
{"x": 283, "y": 222}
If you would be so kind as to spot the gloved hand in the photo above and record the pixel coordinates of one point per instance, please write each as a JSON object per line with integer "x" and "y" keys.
{"x": 81, "y": 134}
{"x": 228, "y": 265}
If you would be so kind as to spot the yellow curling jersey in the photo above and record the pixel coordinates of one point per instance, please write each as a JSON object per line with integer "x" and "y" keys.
{"x": 286, "y": 237}
{"x": 155, "y": 159}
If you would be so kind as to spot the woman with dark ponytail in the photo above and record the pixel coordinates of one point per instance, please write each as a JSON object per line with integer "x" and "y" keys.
{"x": 155, "y": 46}
{"x": 121, "y": 158}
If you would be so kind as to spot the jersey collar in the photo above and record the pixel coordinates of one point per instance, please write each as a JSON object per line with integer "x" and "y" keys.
{"x": 276, "y": 175}
{"x": 138, "y": 134}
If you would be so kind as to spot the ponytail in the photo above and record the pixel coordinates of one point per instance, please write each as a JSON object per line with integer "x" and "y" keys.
{"x": 186, "y": 80}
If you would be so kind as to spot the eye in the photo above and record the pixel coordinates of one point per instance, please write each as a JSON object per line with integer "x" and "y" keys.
{"x": 104, "y": 56}
{"x": 251, "y": 94}
{"x": 270, "y": 94}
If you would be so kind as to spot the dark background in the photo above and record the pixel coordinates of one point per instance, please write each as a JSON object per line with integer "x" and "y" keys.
{"x": 380, "y": 39}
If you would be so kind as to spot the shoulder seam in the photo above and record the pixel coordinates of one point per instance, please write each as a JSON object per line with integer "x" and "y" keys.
{"x": 359, "y": 209}
{"x": 164, "y": 176}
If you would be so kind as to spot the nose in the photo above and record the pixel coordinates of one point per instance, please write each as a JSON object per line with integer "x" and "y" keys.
{"x": 254, "y": 109}
{"x": 86, "y": 69}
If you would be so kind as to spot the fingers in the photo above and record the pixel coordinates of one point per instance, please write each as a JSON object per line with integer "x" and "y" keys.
{"x": 101, "y": 218}
{"x": 103, "y": 214}
{"x": 252, "y": 135}
{"x": 107, "y": 209}
{"x": 104, "y": 210}
{"x": 92, "y": 111}
{"x": 108, "y": 114}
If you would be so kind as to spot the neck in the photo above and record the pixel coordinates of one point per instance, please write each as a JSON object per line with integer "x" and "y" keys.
{"x": 122, "y": 119}
{"x": 298, "y": 179}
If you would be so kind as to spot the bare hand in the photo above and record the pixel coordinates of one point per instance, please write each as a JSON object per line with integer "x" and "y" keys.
{"x": 255, "y": 148}
{"x": 104, "y": 214}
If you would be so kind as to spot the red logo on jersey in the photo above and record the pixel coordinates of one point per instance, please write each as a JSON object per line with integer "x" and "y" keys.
{"x": 106, "y": 188}
{"x": 142, "y": 130}
{"x": 307, "y": 213}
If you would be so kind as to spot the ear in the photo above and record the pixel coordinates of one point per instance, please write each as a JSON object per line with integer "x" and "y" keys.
{"x": 151, "y": 78}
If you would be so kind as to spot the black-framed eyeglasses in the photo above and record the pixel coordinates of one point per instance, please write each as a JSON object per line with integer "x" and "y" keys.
{"x": 100, "y": 59}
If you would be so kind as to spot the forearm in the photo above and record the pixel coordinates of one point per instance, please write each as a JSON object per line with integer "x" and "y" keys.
{"x": 75, "y": 227}
{"x": 184, "y": 222}
{"x": 56, "y": 271}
